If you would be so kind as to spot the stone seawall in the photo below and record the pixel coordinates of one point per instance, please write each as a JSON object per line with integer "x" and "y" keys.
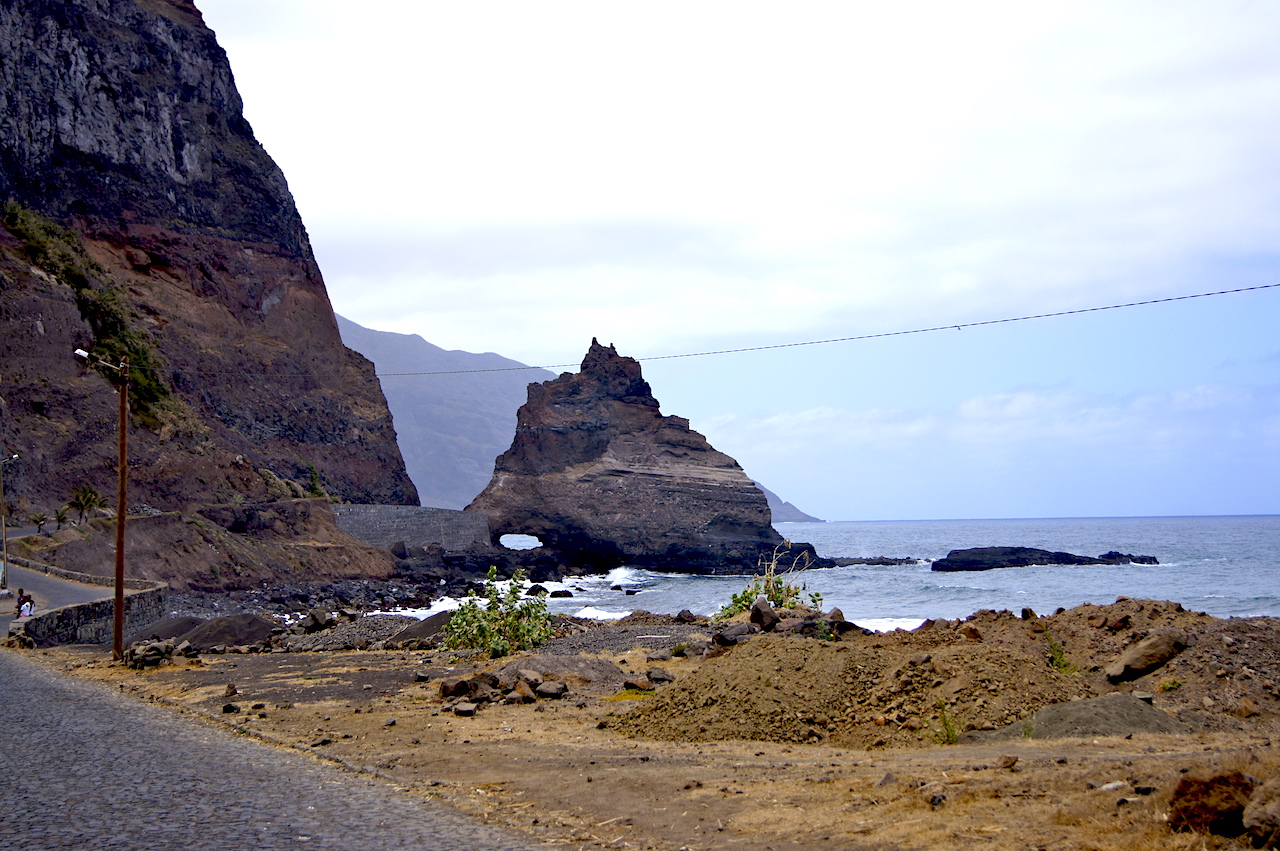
{"x": 145, "y": 602}
{"x": 384, "y": 525}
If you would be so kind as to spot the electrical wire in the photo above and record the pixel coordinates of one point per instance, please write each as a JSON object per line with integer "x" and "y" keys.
{"x": 951, "y": 327}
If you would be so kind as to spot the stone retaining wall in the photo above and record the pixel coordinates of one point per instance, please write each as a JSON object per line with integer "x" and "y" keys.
{"x": 384, "y": 525}
{"x": 145, "y": 602}
{"x": 82, "y": 578}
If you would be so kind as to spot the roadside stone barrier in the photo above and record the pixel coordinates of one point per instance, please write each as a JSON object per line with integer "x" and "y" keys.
{"x": 146, "y": 601}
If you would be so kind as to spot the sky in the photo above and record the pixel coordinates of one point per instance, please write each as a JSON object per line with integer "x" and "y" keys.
{"x": 679, "y": 178}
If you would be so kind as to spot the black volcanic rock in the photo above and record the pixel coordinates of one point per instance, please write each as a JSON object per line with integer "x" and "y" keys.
{"x": 127, "y": 109}
{"x": 604, "y": 479}
{"x": 150, "y": 222}
{"x": 989, "y": 558}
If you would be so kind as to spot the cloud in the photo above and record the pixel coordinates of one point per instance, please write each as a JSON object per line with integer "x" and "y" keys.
{"x": 683, "y": 178}
{"x": 1065, "y": 454}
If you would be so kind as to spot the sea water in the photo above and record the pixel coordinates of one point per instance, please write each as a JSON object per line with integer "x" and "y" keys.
{"x": 1226, "y": 566}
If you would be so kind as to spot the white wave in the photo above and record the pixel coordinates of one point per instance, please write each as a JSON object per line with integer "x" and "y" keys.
{"x": 444, "y": 604}
{"x": 599, "y": 614}
{"x": 624, "y": 574}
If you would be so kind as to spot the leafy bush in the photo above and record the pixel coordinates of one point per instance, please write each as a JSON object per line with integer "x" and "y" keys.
{"x": 507, "y": 622}
{"x": 775, "y": 586}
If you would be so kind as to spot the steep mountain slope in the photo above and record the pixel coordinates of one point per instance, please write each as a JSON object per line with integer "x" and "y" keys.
{"x": 144, "y": 220}
{"x": 451, "y": 426}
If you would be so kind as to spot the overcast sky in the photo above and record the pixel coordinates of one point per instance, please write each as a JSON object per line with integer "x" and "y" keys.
{"x": 683, "y": 177}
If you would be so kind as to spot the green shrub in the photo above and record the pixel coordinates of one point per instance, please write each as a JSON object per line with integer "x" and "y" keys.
{"x": 507, "y": 621}
{"x": 948, "y": 732}
{"x": 1058, "y": 656}
{"x": 59, "y": 252}
{"x": 774, "y": 585}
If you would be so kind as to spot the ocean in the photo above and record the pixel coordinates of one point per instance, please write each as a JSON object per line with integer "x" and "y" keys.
{"x": 1226, "y": 566}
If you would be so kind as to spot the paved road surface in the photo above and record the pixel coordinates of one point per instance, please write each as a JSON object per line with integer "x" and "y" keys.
{"x": 83, "y": 767}
{"x": 49, "y": 592}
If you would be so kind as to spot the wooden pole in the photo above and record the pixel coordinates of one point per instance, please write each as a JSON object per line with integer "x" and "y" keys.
{"x": 4, "y": 526}
{"x": 122, "y": 488}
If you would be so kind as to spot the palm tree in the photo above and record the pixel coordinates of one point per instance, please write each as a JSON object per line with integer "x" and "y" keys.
{"x": 84, "y": 500}
{"x": 60, "y": 517}
{"x": 39, "y": 519}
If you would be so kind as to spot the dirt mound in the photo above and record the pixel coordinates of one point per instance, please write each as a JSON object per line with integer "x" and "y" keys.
{"x": 868, "y": 691}
{"x": 167, "y": 628}
{"x": 229, "y": 631}
{"x": 1109, "y": 715}
{"x": 985, "y": 673}
{"x": 428, "y": 627}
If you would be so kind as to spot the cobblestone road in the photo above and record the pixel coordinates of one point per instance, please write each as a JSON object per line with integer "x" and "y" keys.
{"x": 82, "y": 767}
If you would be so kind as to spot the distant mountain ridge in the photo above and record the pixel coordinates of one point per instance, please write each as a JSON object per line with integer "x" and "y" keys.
{"x": 450, "y": 426}
{"x": 785, "y": 512}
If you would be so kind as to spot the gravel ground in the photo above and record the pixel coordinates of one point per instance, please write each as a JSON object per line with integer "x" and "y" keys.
{"x": 355, "y": 635}
{"x": 621, "y": 638}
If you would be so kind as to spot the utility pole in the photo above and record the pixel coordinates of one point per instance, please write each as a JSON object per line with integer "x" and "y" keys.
{"x": 122, "y": 489}
{"x": 4, "y": 527}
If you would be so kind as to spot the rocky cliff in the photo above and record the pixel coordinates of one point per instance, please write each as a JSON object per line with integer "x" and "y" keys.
{"x": 603, "y": 478}
{"x": 145, "y": 220}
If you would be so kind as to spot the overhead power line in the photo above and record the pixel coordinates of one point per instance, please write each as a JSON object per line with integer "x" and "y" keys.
{"x": 951, "y": 327}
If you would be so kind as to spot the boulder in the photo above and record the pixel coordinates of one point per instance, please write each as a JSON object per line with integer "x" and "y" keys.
{"x": 731, "y": 635}
{"x": 454, "y": 687}
{"x": 603, "y": 479}
{"x": 551, "y": 689}
{"x": 763, "y": 615}
{"x": 659, "y": 676}
{"x": 1147, "y": 655}
{"x": 1261, "y": 816}
{"x": 523, "y": 693}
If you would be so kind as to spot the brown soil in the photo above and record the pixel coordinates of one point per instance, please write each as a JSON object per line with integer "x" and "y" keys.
{"x": 782, "y": 743}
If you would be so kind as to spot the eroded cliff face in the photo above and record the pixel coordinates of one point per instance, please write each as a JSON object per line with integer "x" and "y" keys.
{"x": 119, "y": 120}
{"x": 603, "y": 478}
